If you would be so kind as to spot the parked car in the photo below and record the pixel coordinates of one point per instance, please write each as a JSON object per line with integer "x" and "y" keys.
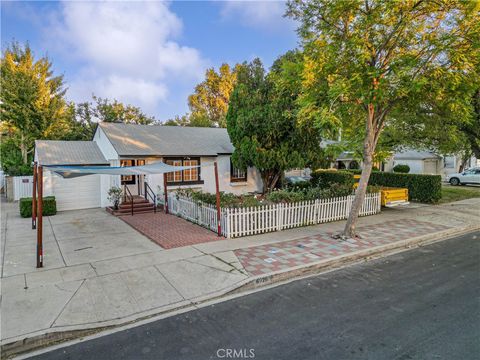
{"x": 296, "y": 179}
{"x": 469, "y": 176}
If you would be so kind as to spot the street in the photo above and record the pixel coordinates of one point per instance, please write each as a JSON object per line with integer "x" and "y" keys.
{"x": 420, "y": 304}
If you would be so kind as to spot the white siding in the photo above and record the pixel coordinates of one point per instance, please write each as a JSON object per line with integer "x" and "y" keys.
{"x": 70, "y": 194}
{"x": 105, "y": 145}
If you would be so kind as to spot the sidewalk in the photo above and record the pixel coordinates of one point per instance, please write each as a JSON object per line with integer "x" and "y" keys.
{"x": 126, "y": 277}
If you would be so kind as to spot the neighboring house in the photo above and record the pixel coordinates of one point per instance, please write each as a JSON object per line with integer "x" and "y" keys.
{"x": 429, "y": 162}
{"x": 118, "y": 144}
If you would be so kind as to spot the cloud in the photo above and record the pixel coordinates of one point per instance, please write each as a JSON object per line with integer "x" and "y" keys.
{"x": 259, "y": 14}
{"x": 125, "y": 50}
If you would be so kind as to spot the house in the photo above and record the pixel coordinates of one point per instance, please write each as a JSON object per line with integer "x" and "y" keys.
{"x": 118, "y": 144}
{"x": 429, "y": 162}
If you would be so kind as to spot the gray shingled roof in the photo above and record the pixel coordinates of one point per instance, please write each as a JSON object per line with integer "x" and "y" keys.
{"x": 52, "y": 152}
{"x": 415, "y": 155}
{"x": 129, "y": 139}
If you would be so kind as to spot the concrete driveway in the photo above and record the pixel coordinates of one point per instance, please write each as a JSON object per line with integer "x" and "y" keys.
{"x": 70, "y": 238}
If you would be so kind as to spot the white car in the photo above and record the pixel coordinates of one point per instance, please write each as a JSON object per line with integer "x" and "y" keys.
{"x": 469, "y": 176}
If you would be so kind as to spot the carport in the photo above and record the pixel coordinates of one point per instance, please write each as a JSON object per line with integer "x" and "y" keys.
{"x": 75, "y": 172}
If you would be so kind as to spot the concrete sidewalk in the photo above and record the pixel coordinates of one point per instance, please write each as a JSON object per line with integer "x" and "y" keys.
{"x": 119, "y": 276}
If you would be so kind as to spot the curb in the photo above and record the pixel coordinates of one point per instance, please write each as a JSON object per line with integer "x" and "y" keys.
{"x": 249, "y": 285}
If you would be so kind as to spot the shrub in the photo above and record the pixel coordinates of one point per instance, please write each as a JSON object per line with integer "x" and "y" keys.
{"x": 279, "y": 196}
{"x": 325, "y": 178}
{"x": 49, "y": 206}
{"x": 114, "y": 195}
{"x": 226, "y": 199}
{"x": 299, "y": 186}
{"x": 421, "y": 188}
{"x": 401, "y": 168}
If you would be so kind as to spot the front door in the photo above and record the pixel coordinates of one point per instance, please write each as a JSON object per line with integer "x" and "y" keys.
{"x": 134, "y": 183}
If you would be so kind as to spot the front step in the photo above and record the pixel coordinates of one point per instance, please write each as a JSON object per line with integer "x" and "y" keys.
{"x": 140, "y": 206}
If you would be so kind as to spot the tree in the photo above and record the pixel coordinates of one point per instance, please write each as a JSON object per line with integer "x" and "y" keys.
{"x": 209, "y": 103}
{"x": 371, "y": 64}
{"x": 115, "y": 111}
{"x": 261, "y": 122}
{"x": 32, "y": 102}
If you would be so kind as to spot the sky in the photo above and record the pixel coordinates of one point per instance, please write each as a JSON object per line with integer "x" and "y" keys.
{"x": 148, "y": 54}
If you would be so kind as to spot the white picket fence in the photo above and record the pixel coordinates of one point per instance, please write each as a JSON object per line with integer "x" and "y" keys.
{"x": 237, "y": 222}
{"x": 198, "y": 213}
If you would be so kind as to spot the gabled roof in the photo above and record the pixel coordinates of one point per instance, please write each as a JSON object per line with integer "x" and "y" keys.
{"x": 130, "y": 139}
{"x": 53, "y": 152}
{"x": 409, "y": 154}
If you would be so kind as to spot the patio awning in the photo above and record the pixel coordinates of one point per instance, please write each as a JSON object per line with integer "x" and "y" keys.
{"x": 76, "y": 171}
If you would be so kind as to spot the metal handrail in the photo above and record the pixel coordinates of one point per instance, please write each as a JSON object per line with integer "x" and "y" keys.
{"x": 125, "y": 191}
{"x": 150, "y": 193}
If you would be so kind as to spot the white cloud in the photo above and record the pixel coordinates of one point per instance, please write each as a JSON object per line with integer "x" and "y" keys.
{"x": 127, "y": 50}
{"x": 260, "y": 14}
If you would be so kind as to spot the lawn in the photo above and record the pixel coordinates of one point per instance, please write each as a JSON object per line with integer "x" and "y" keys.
{"x": 455, "y": 193}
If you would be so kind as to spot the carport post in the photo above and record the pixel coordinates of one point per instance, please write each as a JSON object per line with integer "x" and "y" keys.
{"x": 165, "y": 207}
{"x": 217, "y": 191}
{"x": 40, "y": 217}
{"x": 34, "y": 197}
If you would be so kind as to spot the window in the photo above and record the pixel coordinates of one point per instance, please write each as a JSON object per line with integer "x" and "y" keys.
{"x": 127, "y": 179}
{"x": 237, "y": 175}
{"x": 449, "y": 162}
{"x": 188, "y": 176}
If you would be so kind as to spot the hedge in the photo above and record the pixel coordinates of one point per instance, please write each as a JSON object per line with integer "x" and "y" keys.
{"x": 421, "y": 188}
{"x": 401, "y": 168}
{"x": 325, "y": 178}
{"x": 49, "y": 206}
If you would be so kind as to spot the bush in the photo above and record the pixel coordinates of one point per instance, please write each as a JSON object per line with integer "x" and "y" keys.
{"x": 49, "y": 206}
{"x": 226, "y": 199}
{"x": 280, "y": 196}
{"x": 325, "y": 178}
{"x": 335, "y": 190}
{"x": 421, "y": 188}
{"x": 400, "y": 168}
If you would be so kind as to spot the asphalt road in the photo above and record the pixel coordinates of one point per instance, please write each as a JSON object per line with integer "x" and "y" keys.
{"x": 420, "y": 304}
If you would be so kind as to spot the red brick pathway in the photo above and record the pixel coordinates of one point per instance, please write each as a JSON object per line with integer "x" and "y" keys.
{"x": 169, "y": 231}
{"x": 269, "y": 258}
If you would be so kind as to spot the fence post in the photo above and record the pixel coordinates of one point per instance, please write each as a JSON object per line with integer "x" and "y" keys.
{"x": 40, "y": 218}
{"x": 217, "y": 191}
{"x": 279, "y": 216}
{"x": 34, "y": 197}
{"x": 165, "y": 208}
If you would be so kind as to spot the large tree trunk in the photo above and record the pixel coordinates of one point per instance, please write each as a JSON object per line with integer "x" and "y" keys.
{"x": 368, "y": 151}
{"x": 23, "y": 149}
{"x": 270, "y": 179}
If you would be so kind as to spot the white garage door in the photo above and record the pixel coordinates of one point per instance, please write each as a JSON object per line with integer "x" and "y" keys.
{"x": 77, "y": 193}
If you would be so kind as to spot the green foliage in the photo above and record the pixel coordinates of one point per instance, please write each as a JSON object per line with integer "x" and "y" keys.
{"x": 262, "y": 121}
{"x": 387, "y": 64}
{"x": 308, "y": 194}
{"x": 11, "y": 157}
{"x": 401, "y": 168}
{"x": 209, "y": 103}
{"x": 281, "y": 196}
{"x": 31, "y": 103}
{"x": 226, "y": 199}
{"x": 325, "y": 178}
{"x": 114, "y": 195}
{"x": 49, "y": 206}
{"x": 421, "y": 188}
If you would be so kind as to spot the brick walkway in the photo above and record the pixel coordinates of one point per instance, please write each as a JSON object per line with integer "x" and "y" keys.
{"x": 265, "y": 259}
{"x": 169, "y": 231}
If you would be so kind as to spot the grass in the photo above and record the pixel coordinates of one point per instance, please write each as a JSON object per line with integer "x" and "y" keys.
{"x": 456, "y": 193}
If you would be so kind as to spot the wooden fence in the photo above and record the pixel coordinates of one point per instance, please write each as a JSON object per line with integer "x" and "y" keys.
{"x": 237, "y": 222}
